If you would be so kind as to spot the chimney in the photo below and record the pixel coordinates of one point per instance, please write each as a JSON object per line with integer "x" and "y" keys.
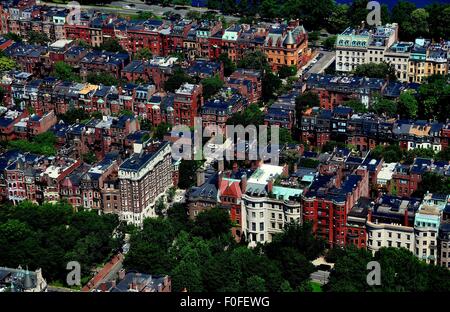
{"x": 406, "y": 221}
{"x": 285, "y": 172}
{"x": 295, "y": 167}
{"x": 369, "y": 215}
{"x": 244, "y": 183}
{"x": 270, "y": 186}
{"x": 235, "y": 167}
{"x": 220, "y": 178}
{"x": 220, "y": 165}
{"x": 200, "y": 177}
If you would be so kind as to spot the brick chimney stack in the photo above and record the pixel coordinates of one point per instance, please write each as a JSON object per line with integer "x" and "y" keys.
{"x": 270, "y": 186}
{"x": 200, "y": 176}
{"x": 244, "y": 183}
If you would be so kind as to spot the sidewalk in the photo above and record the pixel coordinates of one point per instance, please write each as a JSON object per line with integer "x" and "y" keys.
{"x": 97, "y": 279}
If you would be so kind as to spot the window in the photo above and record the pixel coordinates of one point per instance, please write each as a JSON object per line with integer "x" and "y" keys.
{"x": 253, "y": 226}
{"x": 261, "y": 237}
{"x": 261, "y": 214}
{"x": 261, "y": 226}
{"x": 253, "y": 215}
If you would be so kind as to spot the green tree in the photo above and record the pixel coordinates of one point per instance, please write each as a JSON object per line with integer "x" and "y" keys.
{"x": 269, "y": 9}
{"x": 434, "y": 98}
{"x": 228, "y": 65}
{"x": 211, "y": 86}
{"x": 420, "y": 18}
{"x": 287, "y": 71}
{"x": 407, "y": 105}
{"x": 256, "y": 284}
{"x": 254, "y": 60}
{"x": 356, "y": 105}
{"x": 376, "y": 70}
{"x": 161, "y": 130}
{"x": 212, "y": 223}
{"x": 193, "y": 15}
{"x": 178, "y": 217}
{"x": 6, "y": 64}
{"x": 252, "y": 115}
{"x": 89, "y": 157}
{"x": 160, "y": 207}
{"x": 149, "y": 248}
{"x": 299, "y": 237}
{"x": 187, "y": 172}
{"x": 433, "y": 183}
{"x": 171, "y": 194}
{"x": 304, "y": 101}
{"x": 106, "y": 79}
{"x": 111, "y": 45}
{"x": 13, "y": 37}
{"x": 74, "y": 114}
{"x": 187, "y": 276}
{"x": 438, "y": 22}
{"x": 270, "y": 85}
{"x": 175, "y": 81}
{"x": 339, "y": 19}
{"x": 357, "y": 12}
{"x": 143, "y": 54}
{"x": 330, "y": 42}
{"x": 350, "y": 271}
{"x": 64, "y": 71}
{"x": 38, "y": 38}
{"x": 383, "y": 106}
{"x": 402, "y": 14}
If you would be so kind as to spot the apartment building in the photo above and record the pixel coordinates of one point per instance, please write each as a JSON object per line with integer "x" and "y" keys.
{"x": 328, "y": 201}
{"x": 287, "y": 45}
{"x": 187, "y": 102}
{"x": 398, "y": 56}
{"x": 143, "y": 177}
{"x": 426, "y": 227}
{"x": 390, "y": 223}
{"x": 267, "y": 208}
{"x": 427, "y": 59}
{"x": 360, "y": 46}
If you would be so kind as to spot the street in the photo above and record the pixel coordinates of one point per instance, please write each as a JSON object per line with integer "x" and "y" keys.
{"x": 325, "y": 61}
{"x": 123, "y": 7}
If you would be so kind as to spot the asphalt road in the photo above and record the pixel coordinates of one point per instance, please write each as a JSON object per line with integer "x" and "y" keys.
{"x": 123, "y": 7}
{"x": 327, "y": 58}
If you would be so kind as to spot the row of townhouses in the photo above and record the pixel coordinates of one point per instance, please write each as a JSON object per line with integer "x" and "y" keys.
{"x": 412, "y": 61}
{"x": 285, "y": 44}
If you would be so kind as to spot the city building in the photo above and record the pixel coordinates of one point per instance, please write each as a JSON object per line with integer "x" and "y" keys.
{"x": 143, "y": 178}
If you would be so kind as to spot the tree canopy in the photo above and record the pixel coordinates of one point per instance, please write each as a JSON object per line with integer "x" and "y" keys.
{"x": 48, "y": 236}
{"x": 376, "y": 70}
{"x": 175, "y": 81}
{"x": 64, "y": 71}
{"x": 211, "y": 86}
{"x": 400, "y": 271}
